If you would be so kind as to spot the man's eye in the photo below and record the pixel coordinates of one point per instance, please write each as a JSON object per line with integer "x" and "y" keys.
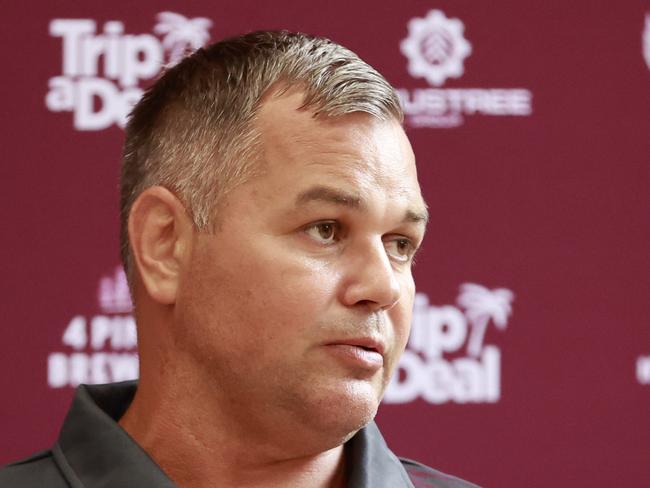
{"x": 400, "y": 249}
{"x": 324, "y": 232}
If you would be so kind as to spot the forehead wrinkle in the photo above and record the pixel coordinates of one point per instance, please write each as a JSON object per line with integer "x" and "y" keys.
{"x": 360, "y": 174}
{"x": 361, "y": 183}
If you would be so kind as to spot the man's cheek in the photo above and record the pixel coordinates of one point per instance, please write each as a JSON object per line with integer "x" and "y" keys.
{"x": 302, "y": 288}
{"x": 401, "y": 316}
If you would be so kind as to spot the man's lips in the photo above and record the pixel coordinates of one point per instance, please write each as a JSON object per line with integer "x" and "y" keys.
{"x": 363, "y": 352}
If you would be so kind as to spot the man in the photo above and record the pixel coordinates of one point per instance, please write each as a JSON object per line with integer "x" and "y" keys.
{"x": 270, "y": 214}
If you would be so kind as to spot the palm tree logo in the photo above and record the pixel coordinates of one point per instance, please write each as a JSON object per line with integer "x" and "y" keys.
{"x": 182, "y": 35}
{"x": 482, "y": 305}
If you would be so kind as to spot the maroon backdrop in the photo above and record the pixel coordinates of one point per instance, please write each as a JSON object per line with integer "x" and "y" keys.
{"x": 530, "y": 123}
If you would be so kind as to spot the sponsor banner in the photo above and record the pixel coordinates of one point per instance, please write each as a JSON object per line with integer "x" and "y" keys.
{"x": 446, "y": 359}
{"x": 436, "y": 49}
{"x": 102, "y": 69}
{"x": 100, "y": 348}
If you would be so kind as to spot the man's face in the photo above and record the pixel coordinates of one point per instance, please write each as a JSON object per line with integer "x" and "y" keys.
{"x": 298, "y": 307}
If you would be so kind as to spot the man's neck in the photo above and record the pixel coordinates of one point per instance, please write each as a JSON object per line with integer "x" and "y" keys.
{"x": 196, "y": 449}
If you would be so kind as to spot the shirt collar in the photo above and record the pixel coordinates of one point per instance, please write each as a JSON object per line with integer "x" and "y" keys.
{"x": 94, "y": 451}
{"x": 371, "y": 463}
{"x": 97, "y": 450}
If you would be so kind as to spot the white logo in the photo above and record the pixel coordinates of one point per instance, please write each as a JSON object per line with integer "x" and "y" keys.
{"x": 643, "y": 370}
{"x": 436, "y": 332}
{"x": 113, "y": 293}
{"x": 102, "y": 71}
{"x": 482, "y": 305}
{"x": 101, "y": 348}
{"x": 435, "y": 47}
{"x": 182, "y": 35}
{"x": 646, "y": 40}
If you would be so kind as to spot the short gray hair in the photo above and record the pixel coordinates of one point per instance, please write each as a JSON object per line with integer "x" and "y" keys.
{"x": 192, "y": 132}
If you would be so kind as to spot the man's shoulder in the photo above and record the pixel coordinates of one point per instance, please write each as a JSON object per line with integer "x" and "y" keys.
{"x": 423, "y": 476}
{"x": 37, "y": 471}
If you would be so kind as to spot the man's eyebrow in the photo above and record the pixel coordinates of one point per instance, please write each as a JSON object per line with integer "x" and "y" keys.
{"x": 420, "y": 216}
{"x": 339, "y": 197}
{"x": 331, "y": 195}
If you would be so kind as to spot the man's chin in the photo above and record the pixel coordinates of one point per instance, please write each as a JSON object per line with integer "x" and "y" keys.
{"x": 342, "y": 410}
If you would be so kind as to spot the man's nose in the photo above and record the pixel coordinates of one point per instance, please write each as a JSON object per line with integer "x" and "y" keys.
{"x": 370, "y": 279}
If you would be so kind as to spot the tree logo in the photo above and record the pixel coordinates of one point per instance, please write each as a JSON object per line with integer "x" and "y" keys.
{"x": 182, "y": 36}
{"x": 482, "y": 305}
{"x": 435, "y": 47}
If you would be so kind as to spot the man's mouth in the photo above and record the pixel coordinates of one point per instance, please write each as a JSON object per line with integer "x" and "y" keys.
{"x": 364, "y": 353}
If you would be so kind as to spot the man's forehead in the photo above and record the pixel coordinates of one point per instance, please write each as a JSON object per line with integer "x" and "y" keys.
{"x": 356, "y": 152}
{"x": 283, "y": 123}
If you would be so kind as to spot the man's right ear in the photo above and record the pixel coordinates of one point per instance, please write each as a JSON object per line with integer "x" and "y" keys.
{"x": 160, "y": 233}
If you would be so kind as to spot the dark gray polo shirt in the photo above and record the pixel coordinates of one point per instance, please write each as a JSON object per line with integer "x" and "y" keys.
{"x": 93, "y": 451}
